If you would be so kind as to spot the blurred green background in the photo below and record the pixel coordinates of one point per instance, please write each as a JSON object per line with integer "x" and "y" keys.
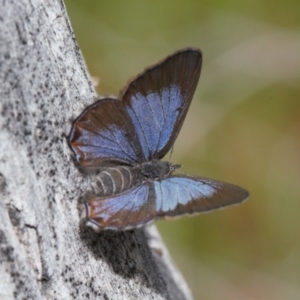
{"x": 243, "y": 127}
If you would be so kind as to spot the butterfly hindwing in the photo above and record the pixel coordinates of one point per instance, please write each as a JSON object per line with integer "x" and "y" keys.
{"x": 157, "y": 100}
{"x": 104, "y": 133}
{"x": 132, "y": 208}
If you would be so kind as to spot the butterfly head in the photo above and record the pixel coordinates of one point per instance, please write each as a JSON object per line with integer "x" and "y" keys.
{"x": 157, "y": 169}
{"x": 174, "y": 167}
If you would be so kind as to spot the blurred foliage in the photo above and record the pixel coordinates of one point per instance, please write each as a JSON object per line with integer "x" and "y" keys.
{"x": 243, "y": 127}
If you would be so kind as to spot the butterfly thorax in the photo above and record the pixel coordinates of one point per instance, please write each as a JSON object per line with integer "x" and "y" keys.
{"x": 115, "y": 180}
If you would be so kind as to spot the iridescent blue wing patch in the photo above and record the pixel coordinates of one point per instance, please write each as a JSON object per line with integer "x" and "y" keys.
{"x": 132, "y": 208}
{"x": 179, "y": 195}
{"x": 104, "y": 134}
{"x": 158, "y": 100}
{"x": 170, "y": 197}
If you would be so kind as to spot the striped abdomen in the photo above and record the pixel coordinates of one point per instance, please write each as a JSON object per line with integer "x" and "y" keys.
{"x": 115, "y": 180}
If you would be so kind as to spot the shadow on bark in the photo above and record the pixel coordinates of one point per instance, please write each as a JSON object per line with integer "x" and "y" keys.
{"x": 130, "y": 261}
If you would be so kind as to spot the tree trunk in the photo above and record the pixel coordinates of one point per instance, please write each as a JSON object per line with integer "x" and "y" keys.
{"x": 44, "y": 253}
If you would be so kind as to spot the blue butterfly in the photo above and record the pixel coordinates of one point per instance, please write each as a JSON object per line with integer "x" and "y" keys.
{"x": 126, "y": 138}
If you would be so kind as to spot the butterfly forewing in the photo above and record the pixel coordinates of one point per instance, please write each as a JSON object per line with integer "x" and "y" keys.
{"x": 158, "y": 100}
{"x": 104, "y": 133}
{"x": 178, "y": 195}
{"x": 170, "y": 197}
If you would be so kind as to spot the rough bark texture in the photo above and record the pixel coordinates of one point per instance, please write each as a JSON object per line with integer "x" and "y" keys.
{"x": 44, "y": 253}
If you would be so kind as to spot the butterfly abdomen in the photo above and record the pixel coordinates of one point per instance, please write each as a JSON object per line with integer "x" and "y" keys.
{"x": 115, "y": 180}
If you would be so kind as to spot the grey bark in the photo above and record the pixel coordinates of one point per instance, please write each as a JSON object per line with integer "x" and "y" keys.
{"x": 44, "y": 253}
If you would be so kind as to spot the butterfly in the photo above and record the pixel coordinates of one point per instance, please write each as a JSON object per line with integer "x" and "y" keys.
{"x": 125, "y": 139}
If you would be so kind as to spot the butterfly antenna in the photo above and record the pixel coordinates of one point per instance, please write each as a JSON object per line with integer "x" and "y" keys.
{"x": 171, "y": 152}
{"x": 182, "y": 172}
